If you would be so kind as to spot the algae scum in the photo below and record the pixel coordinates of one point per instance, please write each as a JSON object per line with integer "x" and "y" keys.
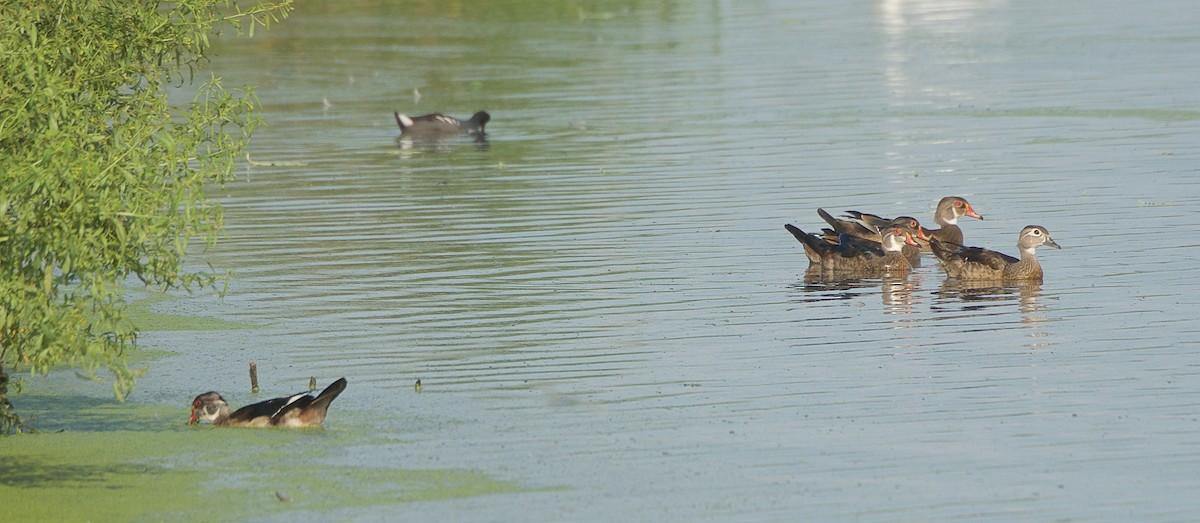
{"x": 202, "y": 474}
{"x": 99, "y": 460}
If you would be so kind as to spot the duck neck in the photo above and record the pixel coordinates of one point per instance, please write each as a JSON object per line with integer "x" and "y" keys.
{"x": 1028, "y": 253}
{"x": 1028, "y": 267}
{"x": 891, "y": 244}
{"x": 946, "y": 218}
{"x": 222, "y": 415}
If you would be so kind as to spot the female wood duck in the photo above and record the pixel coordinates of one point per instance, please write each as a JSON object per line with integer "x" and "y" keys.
{"x": 298, "y": 410}
{"x": 975, "y": 263}
{"x": 852, "y": 255}
{"x": 439, "y": 125}
{"x": 870, "y": 233}
{"x": 946, "y": 215}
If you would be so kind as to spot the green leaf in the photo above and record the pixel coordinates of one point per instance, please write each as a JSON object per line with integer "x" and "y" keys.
{"x": 100, "y": 177}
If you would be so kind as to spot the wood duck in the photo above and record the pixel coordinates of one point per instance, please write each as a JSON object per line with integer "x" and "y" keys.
{"x": 439, "y": 125}
{"x": 298, "y": 410}
{"x": 975, "y": 263}
{"x": 946, "y": 215}
{"x": 855, "y": 256}
{"x": 870, "y": 233}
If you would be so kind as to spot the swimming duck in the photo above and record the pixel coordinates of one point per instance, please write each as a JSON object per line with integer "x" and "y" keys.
{"x": 439, "y": 125}
{"x": 946, "y": 216}
{"x": 976, "y": 263}
{"x": 869, "y": 233}
{"x": 297, "y": 410}
{"x": 858, "y": 257}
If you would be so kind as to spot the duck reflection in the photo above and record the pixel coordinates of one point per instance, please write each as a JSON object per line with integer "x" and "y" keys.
{"x": 985, "y": 295}
{"x": 897, "y": 295}
{"x": 896, "y": 292}
{"x": 412, "y": 145}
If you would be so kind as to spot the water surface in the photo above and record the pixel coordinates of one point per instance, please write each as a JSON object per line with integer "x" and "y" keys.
{"x": 602, "y": 301}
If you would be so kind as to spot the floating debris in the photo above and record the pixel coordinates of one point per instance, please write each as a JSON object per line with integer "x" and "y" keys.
{"x": 274, "y": 164}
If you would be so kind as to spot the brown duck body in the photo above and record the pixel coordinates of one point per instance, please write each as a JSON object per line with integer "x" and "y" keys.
{"x": 870, "y": 232}
{"x": 297, "y": 410}
{"x": 949, "y": 209}
{"x": 856, "y": 257}
{"x": 976, "y": 263}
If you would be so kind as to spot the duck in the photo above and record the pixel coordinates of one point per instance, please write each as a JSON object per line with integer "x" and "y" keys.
{"x": 439, "y": 125}
{"x": 860, "y": 229}
{"x": 853, "y": 255}
{"x": 297, "y": 410}
{"x": 977, "y": 263}
{"x": 949, "y": 209}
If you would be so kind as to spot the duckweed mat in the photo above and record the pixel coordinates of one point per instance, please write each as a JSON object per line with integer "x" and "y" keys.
{"x": 155, "y": 468}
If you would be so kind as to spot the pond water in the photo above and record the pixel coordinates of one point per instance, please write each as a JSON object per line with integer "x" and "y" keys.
{"x": 602, "y": 303}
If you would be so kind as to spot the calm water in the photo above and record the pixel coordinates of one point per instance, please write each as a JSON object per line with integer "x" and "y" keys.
{"x": 602, "y": 299}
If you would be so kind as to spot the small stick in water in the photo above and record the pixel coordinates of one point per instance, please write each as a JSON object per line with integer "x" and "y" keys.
{"x": 417, "y": 386}
{"x": 253, "y": 378}
{"x": 312, "y": 383}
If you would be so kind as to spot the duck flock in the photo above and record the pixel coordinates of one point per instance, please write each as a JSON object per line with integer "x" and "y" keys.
{"x": 859, "y": 245}
{"x": 862, "y": 245}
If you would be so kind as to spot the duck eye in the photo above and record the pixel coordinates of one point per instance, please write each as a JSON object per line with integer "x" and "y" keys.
{"x": 958, "y": 203}
{"x": 1037, "y": 232}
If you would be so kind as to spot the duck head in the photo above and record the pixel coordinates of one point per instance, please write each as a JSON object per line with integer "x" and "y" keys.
{"x": 895, "y": 238}
{"x": 1034, "y": 236}
{"x": 914, "y": 226}
{"x": 208, "y": 407}
{"x": 951, "y": 207}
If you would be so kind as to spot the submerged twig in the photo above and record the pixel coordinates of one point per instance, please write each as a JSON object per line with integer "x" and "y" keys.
{"x": 274, "y": 164}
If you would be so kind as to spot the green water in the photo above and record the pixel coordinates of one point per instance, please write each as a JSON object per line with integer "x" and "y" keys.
{"x": 155, "y": 469}
{"x": 610, "y": 322}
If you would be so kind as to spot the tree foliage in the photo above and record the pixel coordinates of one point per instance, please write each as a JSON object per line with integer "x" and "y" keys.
{"x": 102, "y": 180}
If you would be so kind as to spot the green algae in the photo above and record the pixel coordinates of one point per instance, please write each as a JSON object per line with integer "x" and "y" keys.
{"x": 83, "y": 476}
{"x": 156, "y": 468}
{"x": 141, "y": 314}
{"x": 97, "y": 459}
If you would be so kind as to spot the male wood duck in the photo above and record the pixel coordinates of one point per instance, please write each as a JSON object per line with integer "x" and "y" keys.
{"x": 855, "y": 256}
{"x": 298, "y": 410}
{"x": 975, "y": 263}
{"x": 870, "y": 233}
{"x": 946, "y": 215}
{"x": 439, "y": 125}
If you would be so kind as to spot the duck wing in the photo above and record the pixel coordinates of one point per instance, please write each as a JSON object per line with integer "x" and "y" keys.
{"x": 813, "y": 245}
{"x": 307, "y": 411}
{"x": 993, "y": 259}
{"x": 265, "y": 411}
{"x": 853, "y": 247}
{"x": 871, "y": 221}
{"x": 988, "y": 258}
{"x": 849, "y": 227}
